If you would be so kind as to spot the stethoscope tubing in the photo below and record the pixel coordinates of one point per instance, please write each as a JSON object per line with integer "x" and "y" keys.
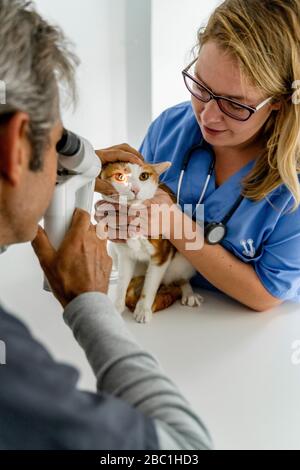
{"x": 184, "y": 166}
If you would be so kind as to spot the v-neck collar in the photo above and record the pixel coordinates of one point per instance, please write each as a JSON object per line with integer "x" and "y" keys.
{"x": 222, "y": 198}
{"x": 243, "y": 169}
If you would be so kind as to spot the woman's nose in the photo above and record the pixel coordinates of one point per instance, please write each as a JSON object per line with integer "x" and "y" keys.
{"x": 211, "y": 113}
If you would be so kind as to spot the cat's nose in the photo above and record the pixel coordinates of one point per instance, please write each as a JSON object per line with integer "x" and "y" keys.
{"x": 135, "y": 190}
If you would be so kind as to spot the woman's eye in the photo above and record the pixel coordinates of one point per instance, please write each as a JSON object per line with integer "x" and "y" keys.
{"x": 144, "y": 176}
{"x": 120, "y": 177}
{"x": 199, "y": 89}
{"x": 235, "y": 107}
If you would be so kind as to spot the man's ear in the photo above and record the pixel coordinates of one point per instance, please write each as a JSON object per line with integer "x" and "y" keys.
{"x": 15, "y": 148}
{"x": 161, "y": 167}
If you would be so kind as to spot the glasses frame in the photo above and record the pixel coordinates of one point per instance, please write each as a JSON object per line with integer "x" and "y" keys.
{"x": 213, "y": 96}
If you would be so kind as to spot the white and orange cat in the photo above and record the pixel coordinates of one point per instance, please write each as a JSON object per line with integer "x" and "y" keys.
{"x": 156, "y": 261}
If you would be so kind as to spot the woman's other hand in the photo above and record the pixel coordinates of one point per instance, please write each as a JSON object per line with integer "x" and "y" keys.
{"x": 151, "y": 218}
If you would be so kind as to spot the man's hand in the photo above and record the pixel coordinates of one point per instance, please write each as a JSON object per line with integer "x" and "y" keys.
{"x": 118, "y": 153}
{"x": 81, "y": 264}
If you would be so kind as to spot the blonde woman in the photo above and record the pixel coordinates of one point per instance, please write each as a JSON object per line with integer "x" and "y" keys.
{"x": 238, "y": 142}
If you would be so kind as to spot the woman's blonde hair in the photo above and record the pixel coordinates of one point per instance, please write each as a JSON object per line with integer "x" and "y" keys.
{"x": 264, "y": 37}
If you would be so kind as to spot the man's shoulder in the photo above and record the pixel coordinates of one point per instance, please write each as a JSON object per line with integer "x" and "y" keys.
{"x": 24, "y": 352}
{"x": 21, "y": 348}
{"x": 9, "y": 323}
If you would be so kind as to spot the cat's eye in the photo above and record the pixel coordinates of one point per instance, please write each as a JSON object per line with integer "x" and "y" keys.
{"x": 120, "y": 177}
{"x": 144, "y": 176}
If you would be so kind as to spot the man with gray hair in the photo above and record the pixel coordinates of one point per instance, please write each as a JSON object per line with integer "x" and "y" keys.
{"x": 136, "y": 406}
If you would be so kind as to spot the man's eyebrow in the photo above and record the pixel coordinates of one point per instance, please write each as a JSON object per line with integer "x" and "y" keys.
{"x": 227, "y": 96}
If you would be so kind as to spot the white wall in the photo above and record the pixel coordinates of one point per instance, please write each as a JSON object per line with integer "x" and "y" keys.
{"x": 86, "y": 24}
{"x": 130, "y": 69}
{"x": 138, "y": 62}
{"x": 174, "y": 33}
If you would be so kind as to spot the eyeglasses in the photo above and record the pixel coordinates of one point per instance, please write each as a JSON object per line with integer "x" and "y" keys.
{"x": 232, "y": 108}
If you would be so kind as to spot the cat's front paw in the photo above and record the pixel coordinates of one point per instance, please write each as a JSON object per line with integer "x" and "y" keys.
{"x": 192, "y": 300}
{"x": 120, "y": 306}
{"x": 142, "y": 313}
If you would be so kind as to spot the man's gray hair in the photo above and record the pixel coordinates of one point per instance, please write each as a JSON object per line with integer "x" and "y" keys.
{"x": 36, "y": 60}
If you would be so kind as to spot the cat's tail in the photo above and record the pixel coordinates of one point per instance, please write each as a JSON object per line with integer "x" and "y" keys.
{"x": 165, "y": 297}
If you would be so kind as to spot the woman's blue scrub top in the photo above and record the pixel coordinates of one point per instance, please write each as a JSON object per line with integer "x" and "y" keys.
{"x": 262, "y": 233}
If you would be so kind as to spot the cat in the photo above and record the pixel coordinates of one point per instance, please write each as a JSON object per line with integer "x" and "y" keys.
{"x": 146, "y": 266}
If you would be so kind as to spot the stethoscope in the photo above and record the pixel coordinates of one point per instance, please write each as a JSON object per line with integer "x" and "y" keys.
{"x": 214, "y": 232}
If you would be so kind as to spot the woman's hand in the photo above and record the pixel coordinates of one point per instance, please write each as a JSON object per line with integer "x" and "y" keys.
{"x": 123, "y": 153}
{"x": 151, "y": 218}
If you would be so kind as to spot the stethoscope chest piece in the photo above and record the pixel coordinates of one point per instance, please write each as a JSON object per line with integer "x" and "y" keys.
{"x": 214, "y": 233}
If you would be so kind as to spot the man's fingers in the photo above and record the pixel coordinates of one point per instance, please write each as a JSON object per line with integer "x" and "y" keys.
{"x": 43, "y": 248}
{"x": 101, "y": 237}
{"x": 94, "y": 229}
{"x": 80, "y": 222}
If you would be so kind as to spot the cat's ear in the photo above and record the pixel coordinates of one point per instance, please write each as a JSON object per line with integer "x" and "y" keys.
{"x": 160, "y": 168}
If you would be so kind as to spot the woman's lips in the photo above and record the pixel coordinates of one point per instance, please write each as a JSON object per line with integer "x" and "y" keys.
{"x": 212, "y": 131}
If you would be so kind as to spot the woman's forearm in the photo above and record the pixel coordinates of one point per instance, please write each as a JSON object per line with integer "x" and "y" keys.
{"x": 220, "y": 267}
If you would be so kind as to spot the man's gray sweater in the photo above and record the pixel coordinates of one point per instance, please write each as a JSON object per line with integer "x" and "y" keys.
{"x": 136, "y": 405}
